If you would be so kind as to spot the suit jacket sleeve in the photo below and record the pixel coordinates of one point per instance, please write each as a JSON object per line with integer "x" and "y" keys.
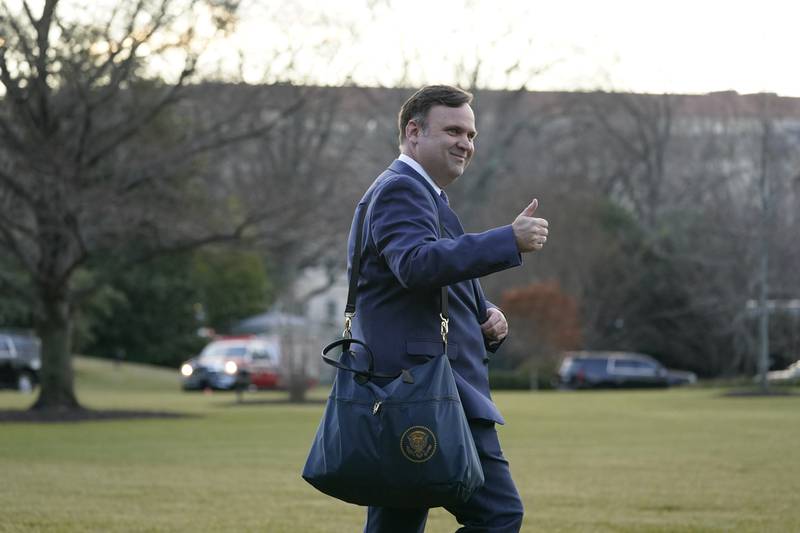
{"x": 404, "y": 230}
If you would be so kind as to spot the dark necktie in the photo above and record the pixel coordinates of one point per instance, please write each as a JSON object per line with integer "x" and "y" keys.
{"x": 444, "y": 197}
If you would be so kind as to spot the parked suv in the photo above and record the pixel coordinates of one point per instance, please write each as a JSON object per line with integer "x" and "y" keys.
{"x": 20, "y": 361}
{"x": 617, "y": 369}
{"x": 234, "y": 363}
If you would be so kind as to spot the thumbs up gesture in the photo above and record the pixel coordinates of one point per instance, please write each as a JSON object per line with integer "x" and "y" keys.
{"x": 530, "y": 232}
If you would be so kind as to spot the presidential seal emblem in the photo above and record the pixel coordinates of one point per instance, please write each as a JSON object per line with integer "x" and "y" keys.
{"x": 418, "y": 444}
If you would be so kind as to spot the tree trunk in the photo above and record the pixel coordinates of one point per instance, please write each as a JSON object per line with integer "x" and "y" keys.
{"x": 57, "y": 392}
{"x": 297, "y": 371}
{"x": 297, "y": 390}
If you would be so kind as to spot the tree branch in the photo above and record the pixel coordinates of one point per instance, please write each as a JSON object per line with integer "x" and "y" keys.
{"x": 43, "y": 44}
{"x": 109, "y": 274}
{"x": 11, "y": 243}
{"x": 208, "y": 145}
{"x": 137, "y": 125}
{"x": 11, "y": 287}
{"x": 17, "y": 188}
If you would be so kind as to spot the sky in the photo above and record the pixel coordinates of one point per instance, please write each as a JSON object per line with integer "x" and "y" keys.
{"x": 679, "y": 46}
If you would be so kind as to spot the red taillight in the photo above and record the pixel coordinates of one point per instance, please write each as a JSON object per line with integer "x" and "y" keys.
{"x": 580, "y": 376}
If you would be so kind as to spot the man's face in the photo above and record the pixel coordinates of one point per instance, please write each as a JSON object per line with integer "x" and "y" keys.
{"x": 445, "y": 147}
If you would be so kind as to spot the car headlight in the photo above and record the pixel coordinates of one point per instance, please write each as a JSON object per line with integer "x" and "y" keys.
{"x": 230, "y": 367}
{"x": 186, "y": 370}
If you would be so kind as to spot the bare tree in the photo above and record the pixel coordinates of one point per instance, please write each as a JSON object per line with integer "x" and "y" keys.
{"x": 637, "y": 131}
{"x": 302, "y": 173}
{"x": 738, "y": 217}
{"x": 99, "y": 157}
{"x": 776, "y": 164}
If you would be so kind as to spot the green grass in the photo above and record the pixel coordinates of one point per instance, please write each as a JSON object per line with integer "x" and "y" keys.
{"x": 647, "y": 461}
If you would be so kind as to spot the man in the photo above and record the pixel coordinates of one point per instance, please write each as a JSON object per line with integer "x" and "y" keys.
{"x": 405, "y": 261}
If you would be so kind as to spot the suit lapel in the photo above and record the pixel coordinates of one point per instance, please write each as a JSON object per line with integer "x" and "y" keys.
{"x": 450, "y": 221}
{"x": 448, "y": 218}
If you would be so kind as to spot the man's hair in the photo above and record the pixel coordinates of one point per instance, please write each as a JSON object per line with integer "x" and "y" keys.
{"x": 417, "y": 107}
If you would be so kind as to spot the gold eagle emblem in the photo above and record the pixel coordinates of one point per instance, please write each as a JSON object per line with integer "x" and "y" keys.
{"x": 418, "y": 444}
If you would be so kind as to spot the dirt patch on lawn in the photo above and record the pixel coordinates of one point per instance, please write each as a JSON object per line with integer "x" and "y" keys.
{"x": 748, "y": 393}
{"x": 82, "y": 415}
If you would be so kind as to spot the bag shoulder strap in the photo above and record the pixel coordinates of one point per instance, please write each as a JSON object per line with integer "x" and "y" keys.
{"x": 355, "y": 270}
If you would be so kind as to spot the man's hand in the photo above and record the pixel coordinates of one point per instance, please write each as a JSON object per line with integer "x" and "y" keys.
{"x": 530, "y": 232}
{"x": 495, "y": 328}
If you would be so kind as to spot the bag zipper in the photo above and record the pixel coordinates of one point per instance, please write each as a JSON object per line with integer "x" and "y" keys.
{"x": 376, "y": 407}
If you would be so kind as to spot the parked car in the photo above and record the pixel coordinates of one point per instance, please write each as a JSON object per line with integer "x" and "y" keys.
{"x": 234, "y": 363}
{"x": 787, "y": 375}
{"x": 20, "y": 361}
{"x": 617, "y": 369}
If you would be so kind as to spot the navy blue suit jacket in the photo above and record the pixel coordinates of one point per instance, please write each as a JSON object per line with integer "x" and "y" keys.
{"x": 404, "y": 265}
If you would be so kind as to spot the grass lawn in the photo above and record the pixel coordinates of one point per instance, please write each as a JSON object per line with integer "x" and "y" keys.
{"x": 645, "y": 461}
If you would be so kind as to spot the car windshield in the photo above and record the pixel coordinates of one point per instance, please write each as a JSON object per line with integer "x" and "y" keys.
{"x": 216, "y": 352}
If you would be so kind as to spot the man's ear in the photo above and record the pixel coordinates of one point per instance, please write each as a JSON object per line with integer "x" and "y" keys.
{"x": 412, "y": 130}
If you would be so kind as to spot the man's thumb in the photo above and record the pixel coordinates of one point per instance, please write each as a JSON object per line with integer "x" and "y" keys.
{"x": 528, "y": 211}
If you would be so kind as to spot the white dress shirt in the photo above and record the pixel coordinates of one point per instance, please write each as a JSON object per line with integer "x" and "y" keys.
{"x": 416, "y": 166}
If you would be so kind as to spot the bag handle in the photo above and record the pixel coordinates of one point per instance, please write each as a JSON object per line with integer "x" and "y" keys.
{"x": 365, "y": 374}
{"x": 345, "y": 343}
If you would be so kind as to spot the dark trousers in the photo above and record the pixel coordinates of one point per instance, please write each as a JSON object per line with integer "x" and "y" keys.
{"x": 494, "y": 508}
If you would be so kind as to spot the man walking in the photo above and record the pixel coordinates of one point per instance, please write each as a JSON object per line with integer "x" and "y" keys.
{"x": 413, "y": 245}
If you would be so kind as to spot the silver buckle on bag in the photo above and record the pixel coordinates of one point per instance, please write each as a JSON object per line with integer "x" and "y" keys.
{"x": 348, "y": 324}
